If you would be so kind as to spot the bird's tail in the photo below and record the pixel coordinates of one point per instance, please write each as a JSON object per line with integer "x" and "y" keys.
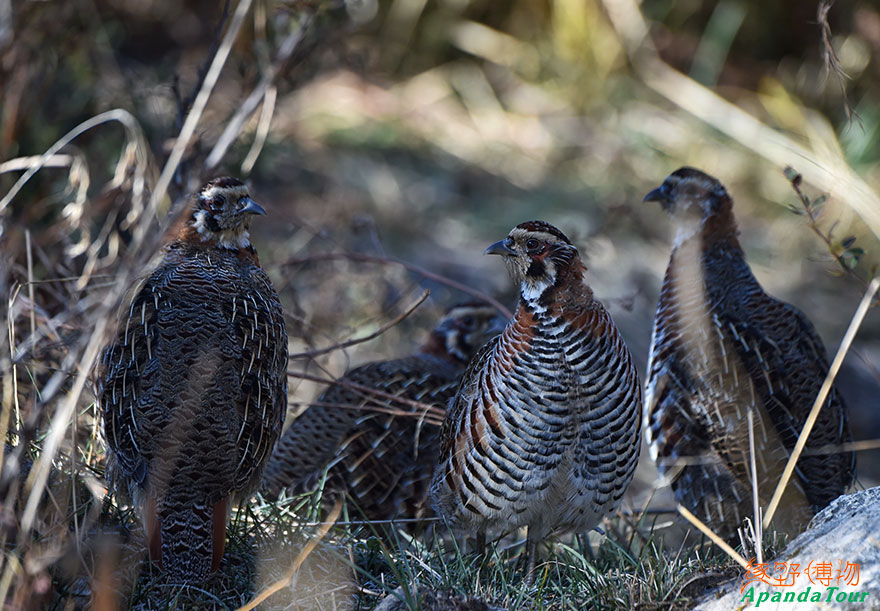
{"x": 192, "y": 541}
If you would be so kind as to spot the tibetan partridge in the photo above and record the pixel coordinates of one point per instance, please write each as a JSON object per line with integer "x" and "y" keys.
{"x": 382, "y": 461}
{"x": 722, "y": 348}
{"x": 193, "y": 388}
{"x": 544, "y": 429}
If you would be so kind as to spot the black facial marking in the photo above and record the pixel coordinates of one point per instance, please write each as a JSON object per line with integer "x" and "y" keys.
{"x": 211, "y": 223}
{"x": 536, "y": 269}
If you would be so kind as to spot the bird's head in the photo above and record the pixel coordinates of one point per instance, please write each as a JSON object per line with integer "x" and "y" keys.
{"x": 222, "y": 213}
{"x": 698, "y": 204}
{"x": 691, "y": 193}
{"x": 464, "y": 329}
{"x": 538, "y": 256}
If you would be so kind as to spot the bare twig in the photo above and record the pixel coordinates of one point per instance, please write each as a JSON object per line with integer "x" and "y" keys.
{"x": 829, "y": 56}
{"x": 198, "y": 107}
{"x": 845, "y": 343}
{"x": 416, "y": 269}
{"x": 360, "y": 340}
{"x": 429, "y": 413}
{"x": 417, "y": 405}
{"x": 183, "y": 106}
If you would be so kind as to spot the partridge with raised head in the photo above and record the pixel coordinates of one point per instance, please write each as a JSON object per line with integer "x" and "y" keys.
{"x": 193, "y": 387}
{"x": 383, "y": 461}
{"x": 721, "y": 349}
{"x": 544, "y": 429}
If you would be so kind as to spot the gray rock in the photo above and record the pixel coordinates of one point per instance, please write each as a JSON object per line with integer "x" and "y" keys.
{"x": 847, "y": 531}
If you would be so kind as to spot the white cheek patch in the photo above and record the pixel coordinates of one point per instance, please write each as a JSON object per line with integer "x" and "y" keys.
{"x": 199, "y": 224}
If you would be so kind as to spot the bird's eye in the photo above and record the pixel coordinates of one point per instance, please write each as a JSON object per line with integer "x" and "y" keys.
{"x": 468, "y": 322}
{"x": 532, "y": 244}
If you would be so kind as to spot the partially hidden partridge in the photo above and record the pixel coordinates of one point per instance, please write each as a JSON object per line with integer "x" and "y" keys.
{"x": 368, "y": 430}
{"x": 721, "y": 349}
{"x": 544, "y": 429}
{"x": 193, "y": 388}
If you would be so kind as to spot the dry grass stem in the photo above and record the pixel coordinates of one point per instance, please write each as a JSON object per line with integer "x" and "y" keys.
{"x": 309, "y": 547}
{"x": 132, "y": 127}
{"x": 756, "y": 531}
{"x": 711, "y": 534}
{"x": 259, "y": 94}
{"x": 266, "y": 113}
{"x": 198, "y": 107}
{"x": 845, "y": 344}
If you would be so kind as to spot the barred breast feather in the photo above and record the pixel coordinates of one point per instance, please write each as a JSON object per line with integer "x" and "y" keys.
{"x": 544, "y": 429}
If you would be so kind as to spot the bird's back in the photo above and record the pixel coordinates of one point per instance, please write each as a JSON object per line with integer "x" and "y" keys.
{"x": 721, "y": 346}
{"x": 374, "y": 441}
{"x": 193, "y": 392}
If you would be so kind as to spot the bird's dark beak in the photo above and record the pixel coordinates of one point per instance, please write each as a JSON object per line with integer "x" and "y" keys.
{"x": 500, "y": 248}
{"x": 251, "y": 207}
{"x": 660, "y": 194}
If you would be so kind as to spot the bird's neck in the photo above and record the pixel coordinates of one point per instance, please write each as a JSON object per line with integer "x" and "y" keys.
{"x": 569, "y": 293}
{"x": 191, "y": 238}
{"x": 717, "y": 230}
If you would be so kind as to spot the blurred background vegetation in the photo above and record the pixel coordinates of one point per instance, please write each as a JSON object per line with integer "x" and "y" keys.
{"x": 422, "y": 131}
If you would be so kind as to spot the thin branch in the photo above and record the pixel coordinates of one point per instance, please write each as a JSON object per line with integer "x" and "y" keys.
{"x": 183, "y": 106}
{"x": 418, "y": 405}
{"x": 430, "y": 414}
{"x": 810, "y": 209}
{"x": 845, "y": 343}
{"x": 416, "y": 269}
{"x": 359, "y": 340}
{"x": 832, "y": 63}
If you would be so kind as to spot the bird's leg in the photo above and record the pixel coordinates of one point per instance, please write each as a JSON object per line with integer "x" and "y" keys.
{"x": 154, "y": 532}
{"x": 535, "y": 535}
{"x": 219, "y": 533}
{"x": 481, "y": 543}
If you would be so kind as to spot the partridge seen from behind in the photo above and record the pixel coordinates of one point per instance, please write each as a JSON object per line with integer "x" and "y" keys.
{"x": 382, "y": 461}
{"x": 722, "y": 348}
{"x": 544, "y": 429}
{"x": 193, "y": 387}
